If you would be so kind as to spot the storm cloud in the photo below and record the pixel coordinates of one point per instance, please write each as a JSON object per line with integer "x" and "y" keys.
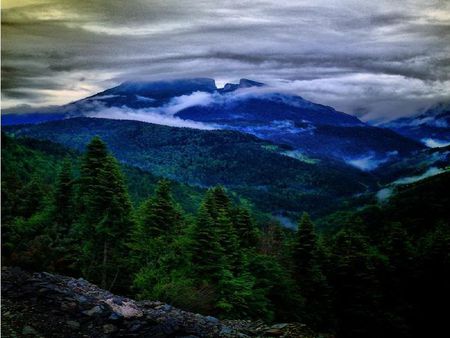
{"x": 377, "y": 60}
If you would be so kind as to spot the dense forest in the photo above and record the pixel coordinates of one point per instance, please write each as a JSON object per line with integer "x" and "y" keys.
{"x": 255, "y": 169}
{"x": 371, "y": 271}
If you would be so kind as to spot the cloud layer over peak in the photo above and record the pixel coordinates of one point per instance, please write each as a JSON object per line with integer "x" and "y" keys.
{"x": 363, "y": 57}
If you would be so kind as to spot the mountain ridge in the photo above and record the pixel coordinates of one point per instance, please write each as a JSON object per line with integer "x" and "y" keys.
{"x": 250, "y": 107}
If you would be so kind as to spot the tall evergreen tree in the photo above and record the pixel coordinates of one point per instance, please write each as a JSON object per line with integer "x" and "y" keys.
{"x": 60, "y": 217}
{"x": 246, "y": 228}
{"x": 63, "y": 198}
{"x": 105, "y": 220}
{"x": 228, "y": 241}
{"x": 308, "y": 273}
{"x": 160, "y": 214}
{"x": 206, "y": 251}
{"x": 356, "y": 286}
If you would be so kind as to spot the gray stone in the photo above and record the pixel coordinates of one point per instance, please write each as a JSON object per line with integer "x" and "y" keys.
{"x": 73, "y": 324}
{"x": 28, "y": 330}
{"x": 115, "y": 316}
{"x": 109, "y": 328}
{"x": 94, "y": 311}
{"x": 212, "y": 319}
{"x": 167, "y": 308}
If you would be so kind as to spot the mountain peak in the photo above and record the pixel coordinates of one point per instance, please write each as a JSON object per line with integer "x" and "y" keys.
{"x": 243, "y": 83}
{"x": 200, "y": 84}
{"x": 246, "y": 83}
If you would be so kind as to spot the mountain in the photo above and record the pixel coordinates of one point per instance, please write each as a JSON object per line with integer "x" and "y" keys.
{"x": 150, "y": 94}
{"x": 25, "y": 158}
{"x": 427, "y": 160}
{"x": 431, "y": 126}
{"x": 252, "y": 107}
{"x": 275, "y": 178}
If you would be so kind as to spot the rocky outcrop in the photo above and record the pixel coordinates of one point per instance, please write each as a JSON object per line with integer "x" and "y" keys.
{"x": 50, "y": 305}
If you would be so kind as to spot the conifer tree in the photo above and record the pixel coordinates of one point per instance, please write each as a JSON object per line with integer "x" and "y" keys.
{"x": 160, "y": 214}
{"x": 105, "y": 216}
{"x": 246, "y": 229}
{"x": 63, "y": 199}
{"x": 228, "y": 241}
{"x": 355, "y": 283}
{"x": 206, "y": 251}
{"x": 218, "y": 205}
{"x": 216, "y": 199}
{"x": 305, "y": 248}
{"x": 308, "y": 273}
{"x": 59, "y": 231}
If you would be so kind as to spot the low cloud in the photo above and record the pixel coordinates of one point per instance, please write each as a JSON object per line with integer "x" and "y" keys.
{"x": 185, "y": 101}
{"x": 408, "y": 180}
{"x": 385, "y": 193}
{"x": 163, "y": 115}
{"x": 435, "y": 143}
{"x": 370, "y": 162}
{"x": 146, "y": 115}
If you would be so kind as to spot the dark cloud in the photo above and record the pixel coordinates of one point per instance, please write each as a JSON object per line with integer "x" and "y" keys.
{"x": 367, "y": 58}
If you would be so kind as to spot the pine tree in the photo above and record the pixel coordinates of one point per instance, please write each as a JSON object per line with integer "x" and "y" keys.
{"x": 305, "y": 249}
{"x": 160, "y": 214}
{"x": 246, "y": 229}
{"x": 228, "y": 241}
{"x": 105, "y": 219}
{"x": 59, "y": 231}
{"x": 356, "y": 286}
{"x": 32, "y": 198}
{"x": 308, "y": 273}
{"x": 206, "y": 251}
{"x": 63, "y": 199}
{"x": 216, "y": 199}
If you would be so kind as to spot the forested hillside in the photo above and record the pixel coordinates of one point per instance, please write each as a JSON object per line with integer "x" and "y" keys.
{"x": 381, "y": 270}
{"x": 255, "y": 169}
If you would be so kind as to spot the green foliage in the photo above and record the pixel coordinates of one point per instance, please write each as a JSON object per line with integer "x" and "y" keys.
{"x": 253, "y": 168}
{"x": 160, "y": 215}
{"x": 105, "y": 217}
{"x": 380, "y": 270}
{"x": 206, "y": 251}
{"x": 311, "y": 281}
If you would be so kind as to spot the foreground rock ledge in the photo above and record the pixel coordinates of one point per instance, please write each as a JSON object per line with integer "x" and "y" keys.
{"x": 49, "y": 305}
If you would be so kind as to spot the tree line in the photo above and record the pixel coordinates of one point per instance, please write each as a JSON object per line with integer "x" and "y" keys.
{"x": 219, "y": 261}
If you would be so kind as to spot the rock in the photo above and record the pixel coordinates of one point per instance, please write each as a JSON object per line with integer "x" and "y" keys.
{"x": 73, "y": 324}
{"x": 76, "y": 308}
{"x": 167, "y": 308}
{"x": 68, "y": 306}
{"x": 94, "y": 311}
{"x": 135, "y": 327}
{"x": 28, "y": 330}
{"x": 273, "y": 332}
{"x": 109, "y": 328}
{"x": 127, "y": 309}
{"x": 226, "y": 330}
{"x": 115, "y": 316}
{"x": 212, "y": 319}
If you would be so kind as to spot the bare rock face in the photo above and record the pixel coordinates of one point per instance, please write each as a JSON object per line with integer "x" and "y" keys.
{"x": 49, "y": 305}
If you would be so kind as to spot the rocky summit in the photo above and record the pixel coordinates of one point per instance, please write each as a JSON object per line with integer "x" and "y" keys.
{"x": 50, "y": 305}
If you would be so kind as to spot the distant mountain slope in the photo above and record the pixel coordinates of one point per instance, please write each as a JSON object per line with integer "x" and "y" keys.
{"x": 250, "y": 107}
{"x": 432, "y": 126}
{"x": 253, "y": 168}
{"x": 414, "y": 165}
{"x": 25, "y": 158}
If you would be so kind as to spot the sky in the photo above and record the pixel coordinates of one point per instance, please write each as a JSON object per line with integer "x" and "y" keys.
{"x": 377, "y": 60}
